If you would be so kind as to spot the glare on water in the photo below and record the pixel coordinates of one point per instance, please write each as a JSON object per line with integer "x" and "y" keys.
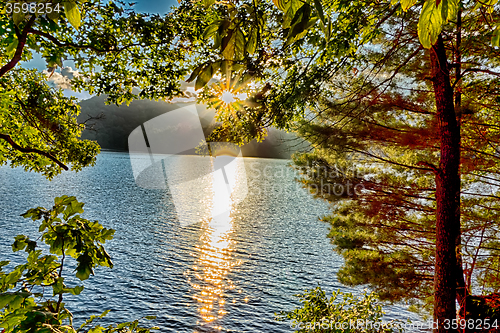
{"x": 215, "y": 260}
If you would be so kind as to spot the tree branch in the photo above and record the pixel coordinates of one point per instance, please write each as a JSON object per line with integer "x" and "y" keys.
{"x": 84, "y": 47}
{"x": 20, "y": 47}
{"x": 60, "y": 44}
{"x": 430, "y": 166}
{"x": 32, "y": 150}
{"x": 475, "y": 70}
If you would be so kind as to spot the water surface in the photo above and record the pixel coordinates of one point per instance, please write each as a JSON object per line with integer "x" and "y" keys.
{"x": 230, "y": 273}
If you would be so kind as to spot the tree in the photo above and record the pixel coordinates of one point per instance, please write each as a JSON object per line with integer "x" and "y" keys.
{"x": 25, "y": 305}
{"x": 382, "y": 139}
{"x": 302, "y": 46}
{"x": 112, "y": 49}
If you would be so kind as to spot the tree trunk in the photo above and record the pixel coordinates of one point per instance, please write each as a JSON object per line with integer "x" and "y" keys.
{"x": 447, "y": 181}
{"x": 462, "y": 289}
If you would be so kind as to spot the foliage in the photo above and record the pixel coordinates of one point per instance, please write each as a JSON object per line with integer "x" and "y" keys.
{"x": 26, "y": 304}
{"x": 320, "y": 313}
{"x": 480, "y": 308}
{"x": 43, "y": 122}
{"x": 376, "y": 128}
{"x": 112, "y": 50}
{"x": 357, "y": 79}
{"x": 283, "y": 53}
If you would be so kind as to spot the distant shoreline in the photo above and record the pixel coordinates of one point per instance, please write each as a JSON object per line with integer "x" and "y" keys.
{"x": 139, "y": 153}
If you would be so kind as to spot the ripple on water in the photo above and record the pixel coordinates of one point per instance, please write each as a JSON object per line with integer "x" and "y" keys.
{"x": 230, "y": 274}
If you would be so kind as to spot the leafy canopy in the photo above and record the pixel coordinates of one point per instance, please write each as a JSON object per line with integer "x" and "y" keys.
{"x": 353, "y": 77}
{"x": 112, "y": 50}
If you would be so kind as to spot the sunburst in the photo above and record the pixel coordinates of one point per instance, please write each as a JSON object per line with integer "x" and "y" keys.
{"x": 228, "y": 98}
{"x": 230, "y": 94}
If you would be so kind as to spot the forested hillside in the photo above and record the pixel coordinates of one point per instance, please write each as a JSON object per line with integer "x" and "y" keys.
{"x": 111, "y": 126}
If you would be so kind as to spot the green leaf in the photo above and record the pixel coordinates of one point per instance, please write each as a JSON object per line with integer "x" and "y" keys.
{"x": 221, "y": 33}
{"x": 18, "y": 17}
{"x": 239, "y": 45}
{"x": 453, "y": 6}
{"x": 58, "y": 286}
{"x": 205, "y": 76}
{"x": 53, "y": 15}
{"x": 252, "y": 41}
{"x": 6, "y": 298}
{"x": 216, "y": 65}
{"x": 104, "y": 314}
{"x": 34, "y": 213}
{"x": 292, "y": 8}
{"x": 406, "y": 4}
{"x": 74, "y": 208}
{"x": 64, "y": 200}
{"x": 76, "y": 290}
{"x": 430, "y": 23}
{"x": 211, "y": 30}
{"x": 31, "y": 245}
{"x": 19, "y": 243}
{"x": 207, "y": 3}
{"x": 11, "y": 49}
{"x": 300, "y": 24}
{"x": 495, "y": 38}
{"x": 108, "y": 234}
{"x": 84, "y": 268}
{"x": 444, "y": 10}
{"x": 122, "y": 325}
{"x": 195, "y": 73}
{"x": 234, "y": 45}
{"x": 72, "y": 14}
{"x": 281, "y": 4}
{"x": 150, "y": 317}
{"x": 319, "y": 9}
{"x": 226, "y": 42}
{"x": 84, "y": 272}
{"x": 13, "y": 277}
{"x": 235, "y": 68}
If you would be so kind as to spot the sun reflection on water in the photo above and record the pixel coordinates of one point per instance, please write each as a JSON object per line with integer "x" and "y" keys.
{"x": 209, "y": 276}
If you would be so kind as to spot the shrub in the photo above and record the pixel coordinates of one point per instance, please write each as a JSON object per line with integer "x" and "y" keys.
{"x": 32, "y": 294}
{"x": 343, "y": 312}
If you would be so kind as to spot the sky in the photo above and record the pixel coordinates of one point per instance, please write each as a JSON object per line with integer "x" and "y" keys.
{"x": 142, "y": 6}
{"x": 154, "y": 6}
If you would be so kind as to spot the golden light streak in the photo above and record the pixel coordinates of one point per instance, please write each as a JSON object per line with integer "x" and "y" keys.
{"x": 215, "y": 256}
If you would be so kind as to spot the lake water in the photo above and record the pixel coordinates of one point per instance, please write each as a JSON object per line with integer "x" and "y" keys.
{"x": 230, "y": 274}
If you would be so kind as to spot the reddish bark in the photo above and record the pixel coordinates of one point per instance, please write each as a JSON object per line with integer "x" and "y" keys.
{"x": 447, "y": 187}
{"x": 31, "y": 150}
{"x": 20, "y": 47}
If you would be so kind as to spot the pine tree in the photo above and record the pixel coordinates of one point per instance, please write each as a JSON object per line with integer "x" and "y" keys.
{"x": 408, "y": 90}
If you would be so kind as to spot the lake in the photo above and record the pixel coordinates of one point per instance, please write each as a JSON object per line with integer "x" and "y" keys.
{"x": 227, "y": 274}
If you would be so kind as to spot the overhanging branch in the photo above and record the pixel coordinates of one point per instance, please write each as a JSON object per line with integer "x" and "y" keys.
{"x": 20, "y": 47}
{"x": 61, "y": 44}
{"x": 480, "y": 70}
{"x": 32, "y": 150}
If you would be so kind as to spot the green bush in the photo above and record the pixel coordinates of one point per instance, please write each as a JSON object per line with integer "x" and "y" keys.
{"x": 343, "y": 312}
{"x": 32, "y": 294}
